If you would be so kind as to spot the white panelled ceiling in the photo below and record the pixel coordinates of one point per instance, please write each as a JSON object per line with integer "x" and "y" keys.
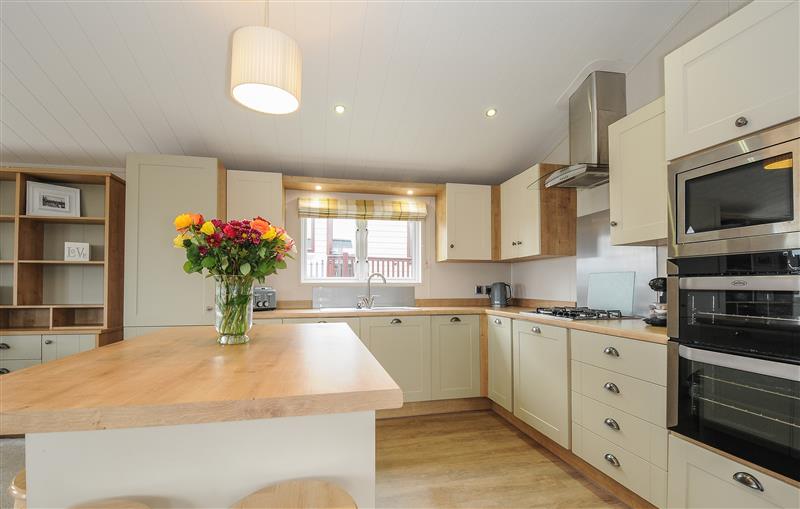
{"x": 84, "y": 83}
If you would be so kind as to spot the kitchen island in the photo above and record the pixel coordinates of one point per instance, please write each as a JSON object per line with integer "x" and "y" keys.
{"x": 178, "y": 421}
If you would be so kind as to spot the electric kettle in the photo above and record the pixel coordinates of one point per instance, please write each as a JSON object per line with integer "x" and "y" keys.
{"x": 500, "y": 294}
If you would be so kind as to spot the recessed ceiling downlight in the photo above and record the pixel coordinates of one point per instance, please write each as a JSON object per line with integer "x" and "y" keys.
{"x": 339, "y": 109}
{"x": 266, "y": 69}
{"x": 491, "y": 112}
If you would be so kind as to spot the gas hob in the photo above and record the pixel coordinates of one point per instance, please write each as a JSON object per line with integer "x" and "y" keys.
{"x": 578, "y": 313}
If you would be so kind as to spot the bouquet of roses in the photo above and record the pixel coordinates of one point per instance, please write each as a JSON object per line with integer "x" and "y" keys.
{"x": 253, "y": 248}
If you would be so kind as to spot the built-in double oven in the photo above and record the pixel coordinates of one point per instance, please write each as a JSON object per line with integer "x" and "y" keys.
{"x": 733, "y": 290}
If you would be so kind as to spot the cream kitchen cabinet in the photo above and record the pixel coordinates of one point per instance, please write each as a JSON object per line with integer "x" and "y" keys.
{"x": 536, "y": 222}
{"x": 700, "y": 478}
{"x": 353, "y": 322}
{"x": 501, "y": 381}
{"x": 159, "y": 187}
{"x": 455, "y": 357}
{"x": 56, "y": 346}
{"x": 20, "y": 347}
{"x": 541, "y": 379}
{"x": 464, "y": 223}
{"x": 402, "y": 345}
{"x": 638, "y": 177}
{"x": 739, "y": 76}
{"x": 255, "y": 193}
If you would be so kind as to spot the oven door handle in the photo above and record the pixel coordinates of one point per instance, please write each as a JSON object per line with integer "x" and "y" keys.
{"x": 743, "y": 283}
{"x": 739, "y": 362}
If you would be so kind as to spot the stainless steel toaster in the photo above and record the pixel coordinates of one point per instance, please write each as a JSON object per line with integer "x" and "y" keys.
{"x": 265, "y": 298}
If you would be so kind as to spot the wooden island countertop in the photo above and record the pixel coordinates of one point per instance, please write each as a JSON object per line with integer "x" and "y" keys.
{"x": 182, "y": 376}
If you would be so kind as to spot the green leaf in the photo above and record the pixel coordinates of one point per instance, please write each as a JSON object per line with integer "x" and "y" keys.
{"x": 281, "y": 264}
{"x": 187, "y": 267}
{"x": 245, "y": 269}
{"x": 208, "y": 262}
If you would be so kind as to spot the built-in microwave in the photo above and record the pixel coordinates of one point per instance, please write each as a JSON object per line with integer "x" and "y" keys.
{"x": 740, "y": 197}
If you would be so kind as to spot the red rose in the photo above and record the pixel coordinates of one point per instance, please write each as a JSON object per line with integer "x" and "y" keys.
{"x": 229, "y": 231}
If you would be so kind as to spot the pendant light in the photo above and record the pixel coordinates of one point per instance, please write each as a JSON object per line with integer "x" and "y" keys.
{"x": 266, "y": 69}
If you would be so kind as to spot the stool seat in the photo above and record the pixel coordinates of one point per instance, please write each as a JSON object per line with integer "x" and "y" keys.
{"x": 299, "y": 494}
{"x": 111, "y": 503}
{"x": 18, "y": 490}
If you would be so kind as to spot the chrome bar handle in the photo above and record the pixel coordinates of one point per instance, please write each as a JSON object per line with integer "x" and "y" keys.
{"x": 610, "y": 350}
{"x": 611, "y": 387}
{"x": 748, "y": 480}
{"x": 611, "y": 423}
{"x": 612, "y": 459}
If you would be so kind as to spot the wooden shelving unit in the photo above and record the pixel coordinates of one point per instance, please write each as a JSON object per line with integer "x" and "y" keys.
{"x": 39, "y": 291}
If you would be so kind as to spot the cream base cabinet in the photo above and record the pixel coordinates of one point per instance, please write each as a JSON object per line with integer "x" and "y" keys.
{"x": 56, "y": 346}
{"x": 402, "y": 345}
{"x": 739, "y": 76}
{"x": 353, "y": 322}
{"x": 464, "y": 223}
{"x": 700, "y": 478}
{"x": 455, "y": 357}
{"x": 159, "y": 187}
{"x": 541, "y": 379}
{"x": 255, "y": 193}
{"x": 638, "y": 177}
{"x": 501, "y": 380}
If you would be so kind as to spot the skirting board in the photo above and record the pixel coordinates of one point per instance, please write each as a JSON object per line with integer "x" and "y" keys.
{"x": 445, "y": 406}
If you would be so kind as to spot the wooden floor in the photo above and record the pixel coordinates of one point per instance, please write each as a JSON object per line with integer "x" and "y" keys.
{"x": 473, "y": 459}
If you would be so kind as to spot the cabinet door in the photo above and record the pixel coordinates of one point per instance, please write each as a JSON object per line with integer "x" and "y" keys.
{"x": 56, "y": 346}
{"x": 500, "y": 371}
{"x": 157, "y": 291}
{"x": 699, "y": 478}
{"x": 746, "y": 66}
{"x": 20, "y": 347}
{"x": 469, "y": 222}
{"x": 541, "y": 383}
{"x": 455, "y": 357}
{"x": 255, "y": 193}
{"x": 402, "y": 345}
{"x": 528, "y": 212}
{"x": 509, "y": 221}
{"x": 353, "y": 322}
{"x": 638, "y": 177}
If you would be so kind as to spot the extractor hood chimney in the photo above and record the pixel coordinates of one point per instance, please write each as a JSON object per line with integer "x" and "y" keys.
{"x": 596, "y": 104}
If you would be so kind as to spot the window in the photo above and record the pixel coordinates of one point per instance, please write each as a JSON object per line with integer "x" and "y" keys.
{"x": 352, "y": 249}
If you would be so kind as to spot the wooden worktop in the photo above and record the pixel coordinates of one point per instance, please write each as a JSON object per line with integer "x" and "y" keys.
{"x": 629, "y": 328}
{"x": 182, "y": 376}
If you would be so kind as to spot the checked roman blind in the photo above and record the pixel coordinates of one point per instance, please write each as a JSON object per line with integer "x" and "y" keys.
{"x": 391, "y": 210}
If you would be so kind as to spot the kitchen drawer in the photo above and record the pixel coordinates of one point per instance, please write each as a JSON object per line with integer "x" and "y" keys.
{"x": 636, "y": 435}
{"x": 639, "y": 359}
{"x": 642, "y": 399}
{"x": 628, "y": 469}
{"x": 699, "y": 478}
{"x": 9, "y": 366}
{"x": 549, "y": 331}
{"x": 353, "y": 322}
{"x": 22, "y": 347}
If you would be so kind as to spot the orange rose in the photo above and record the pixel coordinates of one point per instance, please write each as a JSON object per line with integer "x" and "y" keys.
{"x": 182, "y": 222}
{"x": 197, "y": 219}
{"x": 260, "y": 225}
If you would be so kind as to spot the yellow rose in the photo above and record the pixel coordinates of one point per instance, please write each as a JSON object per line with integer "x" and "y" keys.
{"x": 183, "y": 221}
{"x": 178, "y": 241}
{"x": 208, "y": 228}
{"x": 270, "y": 234}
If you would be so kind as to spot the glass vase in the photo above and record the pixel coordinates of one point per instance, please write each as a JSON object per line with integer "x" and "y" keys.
{"x": 234, "y": 309}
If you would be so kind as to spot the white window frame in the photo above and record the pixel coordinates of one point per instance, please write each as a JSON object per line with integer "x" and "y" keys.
{"x": 362, "y": 267}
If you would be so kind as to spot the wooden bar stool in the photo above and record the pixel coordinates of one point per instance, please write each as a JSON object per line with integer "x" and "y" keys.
{"x": 18, "y": 490}
{"x": 300, "y": 494}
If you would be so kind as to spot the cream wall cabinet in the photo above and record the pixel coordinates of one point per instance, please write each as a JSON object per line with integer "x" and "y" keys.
{"x": 740, "y": 76}
{"x": 541, "y": 379}
{"x": 501, "y": 381}
{"x": 700, "y": 478}
{"x": 402, "y": 345}
{"x": 159, "y": 187}
{"x": 353, "y": 322}
{"x": 455, "y": 357}
{"x": 256, "y": 193}
{"x": 536, "y": 222}
{"x": 638, "y": 177}
{"x": 464, "y": 223}
{"x": 56, "y": 346}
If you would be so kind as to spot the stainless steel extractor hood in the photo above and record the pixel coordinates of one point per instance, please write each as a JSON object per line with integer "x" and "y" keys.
{"x": 596, "y": 104}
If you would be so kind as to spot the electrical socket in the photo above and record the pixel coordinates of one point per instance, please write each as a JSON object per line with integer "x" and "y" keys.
{"x": 479, "y": 290}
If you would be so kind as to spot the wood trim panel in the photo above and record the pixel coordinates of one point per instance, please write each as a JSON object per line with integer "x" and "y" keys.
{"x": 621, "y": 492}
{"x": 361, "y": 186}
{"x": 444, "y": 406}
{"x": 484, "y": 354}
{"x": 559, "y": 237}
{"x": 496, "y": 228}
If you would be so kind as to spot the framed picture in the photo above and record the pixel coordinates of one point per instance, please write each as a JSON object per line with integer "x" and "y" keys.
{"x": 50, "y": 200}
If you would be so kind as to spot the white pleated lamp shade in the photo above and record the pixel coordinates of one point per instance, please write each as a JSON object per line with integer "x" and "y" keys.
{"x": 266, "y": 69}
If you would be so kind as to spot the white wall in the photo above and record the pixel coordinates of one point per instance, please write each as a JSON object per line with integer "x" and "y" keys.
{"x": 439, "y": 280}
{"x": 556, "y": 278}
